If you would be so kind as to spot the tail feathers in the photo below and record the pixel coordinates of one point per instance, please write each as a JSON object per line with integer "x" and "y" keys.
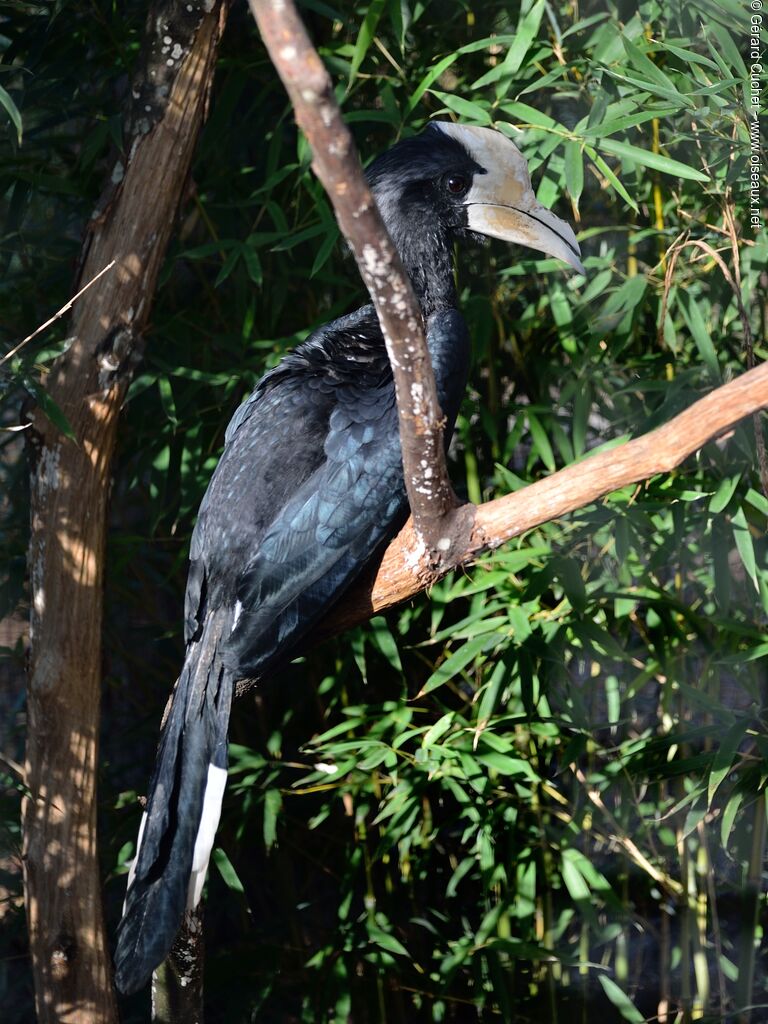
{"x": 215, "y": 784}
{"x": 177, "y": 831}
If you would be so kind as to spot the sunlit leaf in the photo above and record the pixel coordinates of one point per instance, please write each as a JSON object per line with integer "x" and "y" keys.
{"x": 574, "y": 170}
{"x": 473, "y": 111}
{"x": 603, "y": 167}
{"x": 621, "y": 1000}
{"x": 12, "y": 111}
{"x": 744, "y": 545}
{"x": 646, "y": 158}
{"x": 724, "y": 757}
{"x": 365, "y": 35}
{"x": 527, "y": 30}
{"x": 456, "y": 662}
{"x": 226, "y": 870}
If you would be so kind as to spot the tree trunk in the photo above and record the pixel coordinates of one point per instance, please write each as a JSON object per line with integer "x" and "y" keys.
{"x": 69, "y": 494}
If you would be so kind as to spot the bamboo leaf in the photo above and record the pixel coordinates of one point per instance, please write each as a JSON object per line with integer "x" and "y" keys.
{"x": 604, "y": 169}
{"x": 619, "y": 124}
{"x": 273, "y": 803}
{"x": 459, "y": 660}
{"x": 698, "y": 328}
{"x": 621, "y": 1000}
{"x": 724, "y": 493}
{"x": 744, "y": 545}
{"x": 729, "y": 816}
{"x": 386, "y": 941}
{"x": 574, "y": 170}
{"x": 365, "y": 36}
{"x": 473, "y": 111}
{"x": 506, "y": 765}
{"x": 656, "y": 161}
{"x": 649, "y": 86}
{"x": 541, "y": 442}
{"x": 431, "y": 76}
{"x": 574, "y": 881}
{"x": 725, "y": 755}
{"x": 643, "y": 63}
{"x": 12, "y": 111}
{"x": 527, "y": 30}
{"x": 441, "y": 726}
{"x": 226, "y": 870}
{"x": 49, "y": 407}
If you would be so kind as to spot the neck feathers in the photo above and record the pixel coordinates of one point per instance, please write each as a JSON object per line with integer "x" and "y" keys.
{"x": 424, "y": 244}
{"x": 428, "y": 259}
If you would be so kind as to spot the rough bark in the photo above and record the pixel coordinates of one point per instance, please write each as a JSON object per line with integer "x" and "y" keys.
{"x": 69, "y": 492}
{"x": 336, "y": 163}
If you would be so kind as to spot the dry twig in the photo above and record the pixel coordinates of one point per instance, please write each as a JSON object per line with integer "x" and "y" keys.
{"x": 64, "y": 309}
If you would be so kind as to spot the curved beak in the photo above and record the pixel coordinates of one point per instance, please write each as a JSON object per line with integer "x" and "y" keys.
{"x": 501, "y": 202}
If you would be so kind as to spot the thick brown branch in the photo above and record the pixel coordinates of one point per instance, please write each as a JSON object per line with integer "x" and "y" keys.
{"x": 400, "y": 576}
{"x": 70, "y": 484}
{"x": 337, "y": 165}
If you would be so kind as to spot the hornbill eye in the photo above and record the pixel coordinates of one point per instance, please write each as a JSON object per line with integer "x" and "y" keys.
{"x": 456, "y": 184}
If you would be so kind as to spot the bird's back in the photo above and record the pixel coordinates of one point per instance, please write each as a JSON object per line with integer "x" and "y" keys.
{"x": 299, "y": 453}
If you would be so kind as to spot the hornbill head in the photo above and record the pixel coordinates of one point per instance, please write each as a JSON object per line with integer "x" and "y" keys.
{"x": 453, "y": 178}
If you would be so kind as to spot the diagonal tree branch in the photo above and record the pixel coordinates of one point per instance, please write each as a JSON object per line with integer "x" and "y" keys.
{"x": 398, "y": 578}
{"x": 337, "y": 164}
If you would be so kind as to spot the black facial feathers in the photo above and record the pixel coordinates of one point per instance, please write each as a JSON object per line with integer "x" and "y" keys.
{"x": 414, "y": 187}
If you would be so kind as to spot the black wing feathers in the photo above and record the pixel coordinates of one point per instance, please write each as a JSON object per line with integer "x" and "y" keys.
{"x": 324, "y": 535}
{"x": 328, "y": 531}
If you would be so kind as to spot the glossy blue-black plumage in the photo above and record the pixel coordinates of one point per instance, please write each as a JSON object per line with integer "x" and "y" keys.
{"x": 308, "y": 489}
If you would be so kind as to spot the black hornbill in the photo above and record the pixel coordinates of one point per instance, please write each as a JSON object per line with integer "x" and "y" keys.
{"x": 309, "y": 488}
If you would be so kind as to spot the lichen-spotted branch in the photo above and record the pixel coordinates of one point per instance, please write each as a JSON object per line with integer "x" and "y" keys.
{"x": 337, "y": 164}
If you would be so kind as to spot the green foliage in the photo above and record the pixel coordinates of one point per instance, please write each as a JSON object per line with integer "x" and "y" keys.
{"x": 539, "y": 792}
